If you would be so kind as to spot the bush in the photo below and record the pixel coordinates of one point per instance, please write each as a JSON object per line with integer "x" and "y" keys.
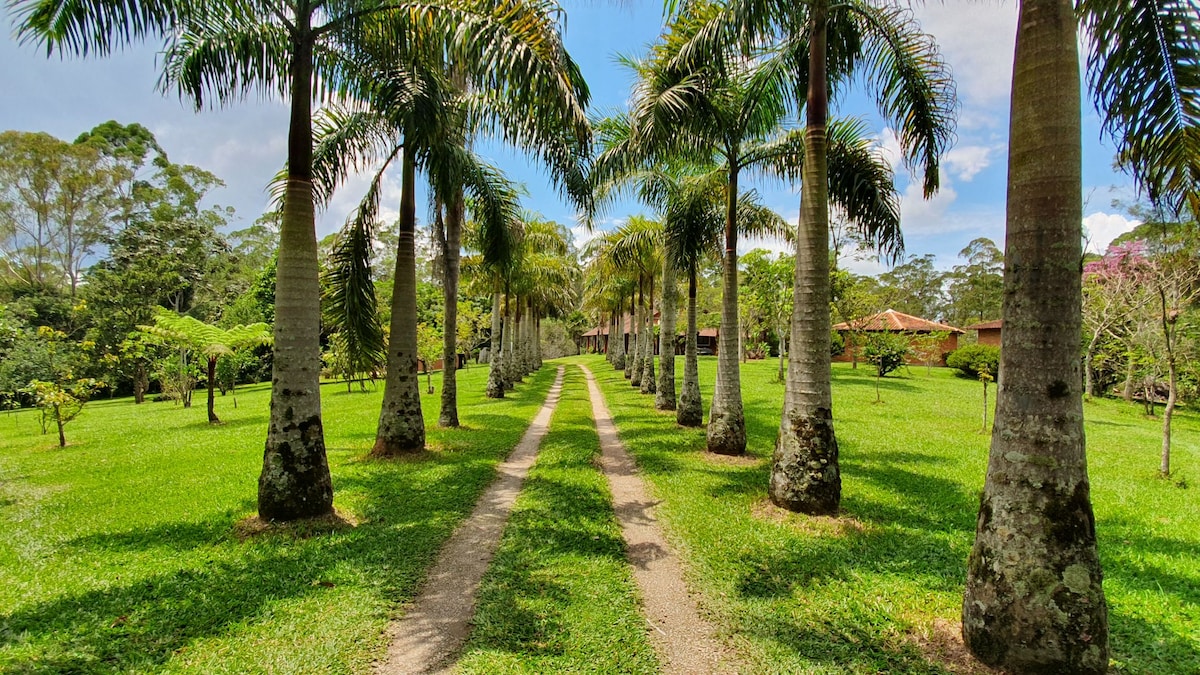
{"x": 972, "y": 360}
{"x": 886, "y": 351}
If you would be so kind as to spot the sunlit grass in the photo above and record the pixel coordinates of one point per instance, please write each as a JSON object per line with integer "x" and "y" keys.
{"x": 119, "y": 553}
{"x": 856, "y": 594}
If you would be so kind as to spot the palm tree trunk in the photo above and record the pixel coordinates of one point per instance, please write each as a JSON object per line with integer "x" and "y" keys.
{"x": 634, "y": 372}
{"x": 726, "y": 419}
{"x": 691, "y": 409}
{"x": 401, "y": 425}
{"x": 649, "y": 386}
{"x": 805, "y": 475}
{"x": 295, "y": 481}
{"x": 212, "y": 385}
{"x": 509, "y": 335}
{"x": 450, "y": 260}
{"x": 495, "y": 383}
{"x": 1034, "y": 601}
{"x": 664, "y": 398}
{"x": 619, "y": 359}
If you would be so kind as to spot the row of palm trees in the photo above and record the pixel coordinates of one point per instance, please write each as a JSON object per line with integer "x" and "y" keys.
{"x": 416, "y": 82}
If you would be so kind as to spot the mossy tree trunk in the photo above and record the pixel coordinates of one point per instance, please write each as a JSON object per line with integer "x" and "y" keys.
{"x": 401, "y": 424}
{"x": 691, "y": 406}
{"x": 495, "y": 382}
{"x": 455, "y": 215}
{"x": 295, "y": 481}
{"x": 726, "y": 433}
{"x": 1034, "y": 601}
{"x": 664, "y": 398}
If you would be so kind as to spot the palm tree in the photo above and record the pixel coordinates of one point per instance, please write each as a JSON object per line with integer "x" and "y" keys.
{"x": 732, "y": 115}
{"x": 433, "y": 125}
{"x": 636, "y": 247}
{"x": 298, "y": 50}
{"x": 1034, "y": 599}
{"x": 821, "y": 43}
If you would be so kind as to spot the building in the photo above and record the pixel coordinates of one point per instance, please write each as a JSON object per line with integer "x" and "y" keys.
{"x": 989, "y": 332}
{"x": 891, "y": 321}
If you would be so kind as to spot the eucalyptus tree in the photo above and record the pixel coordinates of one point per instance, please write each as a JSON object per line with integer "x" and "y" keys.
{"x": 299, "y": 51}
{"x": 1034, "y": 600}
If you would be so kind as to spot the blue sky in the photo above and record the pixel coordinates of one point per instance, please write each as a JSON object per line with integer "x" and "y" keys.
{"x": 245, "y": 143}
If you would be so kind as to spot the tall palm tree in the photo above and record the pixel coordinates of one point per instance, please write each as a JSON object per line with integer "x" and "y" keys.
{"x": 732, "y": 115}
{"x": 821, "y": 43}
{"x": 434, "y": 132}
{"x": 299, "y": 51}
{"x": 1034, "y": 600}
{"x": 636, "y": 246}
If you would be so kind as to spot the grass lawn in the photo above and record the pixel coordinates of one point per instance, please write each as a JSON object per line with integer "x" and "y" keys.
{"x": 879, "y": 590}
{"x": 119, "y": 552}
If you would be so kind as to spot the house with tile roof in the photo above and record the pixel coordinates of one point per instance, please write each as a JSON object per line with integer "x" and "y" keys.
{"x": 989, "y": 332}
{"x": 891, "y": 321}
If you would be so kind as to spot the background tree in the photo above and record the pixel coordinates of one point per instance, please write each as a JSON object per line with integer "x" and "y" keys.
{"x": 62, "y": 403}
{"x": 191, "y": 334}
{"x": 429, "y": 346}
{"x": 974, "y": 289}
{"x": 55, "y": 200}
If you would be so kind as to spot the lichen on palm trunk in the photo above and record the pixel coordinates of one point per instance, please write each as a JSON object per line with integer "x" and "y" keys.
{"x": 1034, "y": 601}
{"x": 805, "y": 467}
{"x": 295, "y": 481}
{"x": 691, "y": 411}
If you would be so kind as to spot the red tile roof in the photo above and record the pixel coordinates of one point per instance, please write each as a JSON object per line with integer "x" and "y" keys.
{"x": 986, "y": 325}
{"x": 891, "y": 320}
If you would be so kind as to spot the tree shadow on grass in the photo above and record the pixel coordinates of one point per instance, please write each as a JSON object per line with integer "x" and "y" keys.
{"x": 843, "y": 644}
{"x": 175, "y": 536}
{"x": 212, "y": 585}
{"x": 144, "y": 622}
{"x": 1150, "y": 647}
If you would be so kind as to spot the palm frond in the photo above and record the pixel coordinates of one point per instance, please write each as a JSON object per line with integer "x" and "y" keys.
{"x": 912, "y": 83}
{"x": 1144, "y": 67}
{"x": 862, "y": 184}
{"x": 83, "y": 27}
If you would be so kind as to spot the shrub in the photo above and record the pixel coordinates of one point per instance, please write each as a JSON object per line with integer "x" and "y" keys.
{"x": 886, "y": 351}
{"x": 972, "y": 360}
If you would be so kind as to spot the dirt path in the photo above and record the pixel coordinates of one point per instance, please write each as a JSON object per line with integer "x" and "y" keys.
{"x": 684, "y": 641}
{"x": 430, "y": 634}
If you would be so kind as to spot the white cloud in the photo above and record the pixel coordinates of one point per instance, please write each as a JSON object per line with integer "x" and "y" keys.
{"x": 776, "y": 246}
{"x": 978, "y": 44}
{"x": 927, "y": 216}
{"x": 965, "y": 161}
{"x": 888, "y": 145}
{"x": 1101, "y": 228}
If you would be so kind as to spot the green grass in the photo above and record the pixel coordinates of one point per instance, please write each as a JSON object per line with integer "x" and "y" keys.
{"x": 559, "y": 596}
{"x": 118, "y": 552}
{"x": 817, "y": 595}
